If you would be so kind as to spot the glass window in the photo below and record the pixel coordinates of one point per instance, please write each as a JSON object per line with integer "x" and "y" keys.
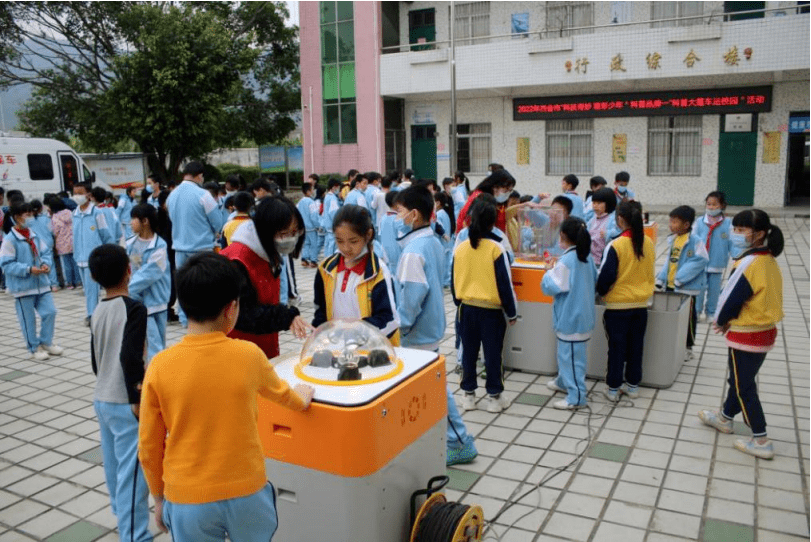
{"x": 329, "y": 46}
{"x": 473, "y": 148}
{"x": 569, "y": 147}
{"x": 349, "y": 123}
{"x": 332, "y": 124}
{"x": 344, "y": 11}
{"x": 674, "y": 145}
{"x": 338, "y": 73}
{"x": 471, "y": 20}
{"x": 40, "y": 167}
{"x": 563, "y": 16}
{"x": 327, "y": 12}
{"x": 676, "y": 10}
{"x": 346, "y": 41}
{"x": 69, "y": 170}
{"x": 329, "y": 76}
{"x": 347, "y": 81}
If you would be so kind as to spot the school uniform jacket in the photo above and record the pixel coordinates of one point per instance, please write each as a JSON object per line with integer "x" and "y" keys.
{"x": 356, "y": 197}
{"x": 375, "y": 295}
{"x": 16, "y": 260}
{"x": 464, "y": 235}
{"x": 124, "y": 210}
{"x": 44, "y": 229}
{"x": 481, "y": 276}
{"x": 304, "y": 208}
{"x": 331, "y": 206}
{"x": 716, "y": 240}
{"x": 691, "y": 276}
{"x": 571, "y": 283}
{"x": 90, "y": 230}
{"x": 151, "y": 281}
{"x": 196, "y": 220}
{"x": 577, "y": 204}
{"x": 752, "y": 302}
{"x": 624, "y": 281}
{"x": 116, "y": 230}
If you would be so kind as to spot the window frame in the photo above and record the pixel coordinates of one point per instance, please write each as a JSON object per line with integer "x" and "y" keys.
{"x": 680, "y": 8}
{"x": 39, "y": 176}
{"x": 467, "y": 21}
{"x": 672, "y": 152}
{"x": 568, "y": 7}
{"x": 569, "y": 132}
{"x": 339, "y": 109}
{"x": 469, "y": 137}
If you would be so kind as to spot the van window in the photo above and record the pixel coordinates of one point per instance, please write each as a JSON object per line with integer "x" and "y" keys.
{"x": 70, "y": 175}
{"x": 40, "y": 167}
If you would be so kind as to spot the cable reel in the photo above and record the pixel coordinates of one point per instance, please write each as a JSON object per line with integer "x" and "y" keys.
{"x": 441, "y": 521}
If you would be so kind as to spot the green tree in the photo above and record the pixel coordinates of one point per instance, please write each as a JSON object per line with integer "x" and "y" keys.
{"x": 177, "y": 79}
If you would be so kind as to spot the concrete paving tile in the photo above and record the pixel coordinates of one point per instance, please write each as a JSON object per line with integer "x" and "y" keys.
{"x": 743, "y": 513}
{"x": 86, "y": 504}
{"x": 677, "y": 501}
{"x": 643, "y": 475}
{"x": 21, "y": 512}
{"x": 635, "y": 493}
{"x": 569, "y": 526}
{"x": 7, "y": 499}
{"x": 688, "y": 483}
{"x": 724, "y": 531}
{"x": 47, "y": 524}
{"x": 782, "y": 521}
{"x": 82, "y": 531}
{"x": 581, "y": 505}
{"x": 591, "y": 485}
{"x": 676, "y": 524}
{"x": 631, "y": 514}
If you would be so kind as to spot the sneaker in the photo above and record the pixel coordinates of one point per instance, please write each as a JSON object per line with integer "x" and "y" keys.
{"x": 71, "y": 287}
{"x": 553, "y": 385}
{"x": 39, "y": 355}
{"x": 458, "y": 456}
{"x": 714, "y": 419}
{"x": 631, "y": 391}
{"x": 497, "y": 403}
{"x": 54, "y": 288}
{"x": 613, "y": 396}
{"x": 689, "y": 355}
{"x": 702, "y": 317}
{"x": 468, "y": 401}
{"x": 52, "y": 349}
{"x": 763, "y": 450}
{"x": 563, "y": 404}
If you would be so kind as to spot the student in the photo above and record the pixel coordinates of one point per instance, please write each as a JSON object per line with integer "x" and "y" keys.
{"x": 308, "y": 259}
{"x": 331, "y": 206}
{"x": 482, "y": 290}
{"x": 320, "y": 191}
{"x": 498, "y": 184}
{"x": 571, "y": 282}
{"x": 686, "y": 265}
{"x": 390, "y": 231}
{"x": 444, "y": 215}
{"x": 460, "y": 192}
{"x": 750, "y": 307}
{"x": 62, "y": 225}
{"x": 26, "y": 261}
{"x": 125, "y": 204}
{"x": 243, "y": 202}
{"x": 569, "y": 184}
{"x": 151, "y": 283}
{"x": 372, "y": 190}
{"x": 714, "y": 230}
{"x": 564, "y": 205}
{"x": 355, "y": 283}
{"x": 603, "y": 203}
{"x": 595, "y": 183}
{"x": 261, "y": 188}
{"x": 380, "y": 203}
{"x": 90, "y": 230}
{"x": 98, "y": 195}
{"x": 199, "y": 441}
{"x": 406, "y": 180}
{"x": 356, "y": 195}
{"x": 153, "y": 191}
{"x": 625, "y": 282}
{"x": 621, "y": 190}
{"x": 117, "y": 337}
{"x": 43, "y": 227}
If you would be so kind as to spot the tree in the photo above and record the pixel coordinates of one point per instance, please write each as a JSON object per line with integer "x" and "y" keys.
{"x": 178, "y": 79}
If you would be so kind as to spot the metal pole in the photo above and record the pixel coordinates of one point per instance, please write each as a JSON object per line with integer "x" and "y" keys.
{"x": 286, "y": 170}
{"x": 453, "y": 91}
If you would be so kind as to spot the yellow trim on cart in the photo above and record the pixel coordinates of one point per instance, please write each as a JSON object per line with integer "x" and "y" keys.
{"x": 398, "y": 368}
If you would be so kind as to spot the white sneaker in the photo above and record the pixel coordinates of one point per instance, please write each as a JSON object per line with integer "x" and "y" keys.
{"x": 468, "y": 402}
{"x": 702, "y": 317}
{"x": 40, "y": 355}
{"x": 52, "y": 349}
{"x": 689, "y": 355}
{"x": 497, "y": 403}
{"x": 563, "y": 404}
{"x": 553, "y": 385}
{"x": 631, "y": 391}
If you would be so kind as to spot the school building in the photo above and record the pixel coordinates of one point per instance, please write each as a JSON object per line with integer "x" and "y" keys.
{"x": 688, "y": 97}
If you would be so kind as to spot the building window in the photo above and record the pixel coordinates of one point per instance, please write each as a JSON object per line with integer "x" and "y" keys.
{"x": 473, "y": 148}
{"x": 563, "y": 16}
{"x": 472, "y": 21}
{"x": 569, "y": 147}
{"x": 674, "y": 10}
{"x": 338, "y": 73}
{"x": 674, "y": 145}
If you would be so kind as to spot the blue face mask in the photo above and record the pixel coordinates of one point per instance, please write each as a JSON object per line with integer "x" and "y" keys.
{"x": 401, "y": 229}
{"x": 714, "y": 212}
{"x": 501, "y": 198}
{"x": 622, "y": 189}
{"x": 150, "y": 188}
{"x": 739, "y": 244}
{"x": 29, "y": 221}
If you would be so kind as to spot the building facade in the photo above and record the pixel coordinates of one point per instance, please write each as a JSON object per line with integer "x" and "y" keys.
{"x": 688, "y": 97}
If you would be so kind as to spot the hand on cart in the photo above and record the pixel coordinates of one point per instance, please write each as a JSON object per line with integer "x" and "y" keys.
{"x": 306, "y": 393}
{"x": 300, "y": 328}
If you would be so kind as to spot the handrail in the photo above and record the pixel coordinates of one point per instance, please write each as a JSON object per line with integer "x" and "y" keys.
{"x": 708, "y": 16}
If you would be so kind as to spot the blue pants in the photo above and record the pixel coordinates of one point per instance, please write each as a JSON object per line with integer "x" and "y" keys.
{"x": 155, "y": 334}
{"x": 572, "y": 361}
{"x": 180, "y": 259}
{"x": 713, "y": 292}
{"x": 91, "y": 290}
{"x": 446, "y": 280}
{"x": 52, "y": 276}
{"x": 244, "y": 519}
{"x": 742, "y": 395}
{"x": 457, "y": 432}
{"x": 329, "y": 244}
{"x": 309, "y": 252}
{"x": 319, "y": 245}
{"x": 73, "y": 277}
{"x": 129, "y": 494}
{"x": 485, "y": 328}
{"x": 625, "y": 329}
{"x": 27, "y": 306}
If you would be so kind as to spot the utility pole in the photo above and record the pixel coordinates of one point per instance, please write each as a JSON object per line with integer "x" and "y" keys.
{"x": 453, "y": 90}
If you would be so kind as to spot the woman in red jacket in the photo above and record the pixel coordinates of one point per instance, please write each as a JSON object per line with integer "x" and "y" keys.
{"x": 499, "y": 184}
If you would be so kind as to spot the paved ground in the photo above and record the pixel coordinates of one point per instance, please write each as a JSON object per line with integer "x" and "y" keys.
{"x": 650, "y": 471}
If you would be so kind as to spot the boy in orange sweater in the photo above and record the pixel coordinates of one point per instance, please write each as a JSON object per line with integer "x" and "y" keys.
{"x": 199, "y": 441}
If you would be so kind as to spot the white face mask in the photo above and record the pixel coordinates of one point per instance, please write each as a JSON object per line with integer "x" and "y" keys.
{"x": 286, "y": 245}
{"x": 502, "y": 197}
{"x": 80, "y": 199}
{"x": 356, "y": 258}
{"x": 230, "y": 192}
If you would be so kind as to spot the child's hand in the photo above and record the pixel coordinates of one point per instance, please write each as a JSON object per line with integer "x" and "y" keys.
{"x": 306, "y": 393}
{"x": 300, "y": 328}
{"x": 45, "y": 268}
{"x": 512, "y": 322}
{"x": 720, "y": 329}
{"x": 159, "y": 514}
{"x": 136, "y": 410}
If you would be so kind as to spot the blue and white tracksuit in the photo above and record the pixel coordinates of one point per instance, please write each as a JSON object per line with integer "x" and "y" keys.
{"x": 718, "y": 247}
{"x": 459, "y": 196}
{"x": 32, "y": 293}
{"x": 116, "y": 230}
{"x": 588, "y": 210}
{"x": 571, "y": 282}
{"x": 124, "y": 210}
{"x": 331, "y": 206}
{"x": 151, "y": 284}
{"x": 309, "y": 250}
{"x": 356, "y": 197}
{"x": 371, "y": 192}
{"x": 388, "y": 240}
{"x": 446, "y": 239}
{"x": 577, "y": 205}
{"x": 90, "y": 230}
{"x": 630, "y": 194}
{"x": 44, "y": 229}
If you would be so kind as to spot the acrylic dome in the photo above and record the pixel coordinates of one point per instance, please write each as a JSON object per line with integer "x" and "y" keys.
{"x": 347, "y": 352}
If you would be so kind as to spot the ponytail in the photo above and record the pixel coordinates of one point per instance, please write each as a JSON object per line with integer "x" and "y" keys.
{"x": 461, "y": 176}
{"x": 758, "y": 220}
{"x": 632, "y": 216}
{"x": 775, "y": 241}
{"x": 576, "y": 232}
{"x": 482, "y": 215}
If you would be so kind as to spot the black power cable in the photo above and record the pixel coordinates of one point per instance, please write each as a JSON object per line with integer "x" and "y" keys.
{"x": 441, "y": 522}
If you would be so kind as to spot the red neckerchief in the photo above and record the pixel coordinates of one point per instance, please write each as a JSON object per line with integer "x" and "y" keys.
{"x": 626, "y": 233}
{"x": 26, "y": 233}
{"x": 712, "y": 228}
{"x": 358, "y": 268}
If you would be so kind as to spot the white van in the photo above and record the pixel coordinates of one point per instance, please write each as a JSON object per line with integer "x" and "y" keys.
{"x": 38, "y": 166}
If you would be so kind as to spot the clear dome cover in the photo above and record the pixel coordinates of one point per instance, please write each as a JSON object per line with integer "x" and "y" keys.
{"x": 347, "y": 352}
{"x": 534, "y": 232}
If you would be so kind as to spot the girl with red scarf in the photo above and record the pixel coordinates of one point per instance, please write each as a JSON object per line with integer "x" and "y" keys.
{"x": 499, "y": 184}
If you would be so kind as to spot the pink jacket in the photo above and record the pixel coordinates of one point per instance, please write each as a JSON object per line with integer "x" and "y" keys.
{"x": 63, "y": 231}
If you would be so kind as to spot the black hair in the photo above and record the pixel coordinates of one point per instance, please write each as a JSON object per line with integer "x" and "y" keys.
{"x": 566, "y": 202}
{"x": 622, "y": 176}
{"x": 758, "y": 220}
{"x": 228, "y": 202}
{"x": 391, "y": 196}
{"x": 108, "y": 265}
{"x": 720, "y": 196}
{"x": 130, "y": 190}
{"x": 460, "y": 175}
{"x": 272, "y": 216}
{"x": 18, "y": 208}
{"x": 419, "y": 198}
{"x": 408, "y": 174}
{"x": 494, "y": 166}
{"x": 576, "y": 232}
{"x": 319, "y": 191}
{"x": 597, "y": 181}
{"x": 525, "y": 198}
{"x": 99, "y": 194}
{"x": 572, "y": 179}
{"x": 193, "y": 168}
{"x": 358, "y": 219}
{"x": 213, "y": 188}
{"x": 446, "y": 181}
{"x": 332, "y": 183}
{"x": 162, "y": 197}
{"x": 242, "y": 202}
{"x": 607, "y": 196}
{"x": 2, "y": 191}
{"x": 372, "y": 176}
{"x": 352, "y": 173}
{"x": 386, "y": 182}
{"x": 483, "y": 215}
{"x": 146, "y": 211}
{"x": 500, "y": 178}
{"x": 315, "y": 178}
{"x": 685, "y": 213}
{"x": 56, "y": 204}
{"x": 236, "y": 180}
{"x": 261, "y": 184}
{"x": 515, "y": 194}
{"x": 360, "y": 177}
{"x": 426, "y": 183}
{"x": 36, "y": 206}
{"x": 446, "y": 203}
{"x": 87, "y": 188}
{"x": 306, "y": 187}
{"x": 633, "y": 217}
{"x": 206, "y": 284}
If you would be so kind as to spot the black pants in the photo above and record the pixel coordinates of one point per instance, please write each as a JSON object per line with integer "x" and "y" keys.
{"x": 625, "y": 329}
{"x": 691, "y": 326}
{"x": 485, "y": 327}
{"x": 742, "y": 395}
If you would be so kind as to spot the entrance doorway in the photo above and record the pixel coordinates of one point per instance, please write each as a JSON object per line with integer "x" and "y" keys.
{"x": 423, "y": 151}
{"x": 797, "y": 177}
{"x": 737, "y": 153}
